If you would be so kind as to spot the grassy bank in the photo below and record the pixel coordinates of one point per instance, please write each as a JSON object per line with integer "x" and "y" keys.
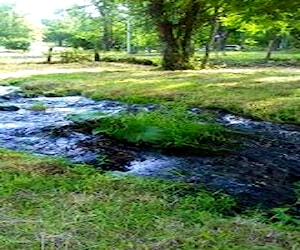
{"x": 50, "y": 204}
{"x": 265, "y": 93}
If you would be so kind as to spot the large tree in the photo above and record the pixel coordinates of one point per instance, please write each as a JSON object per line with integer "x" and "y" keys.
{"x": 107, "y": 11}
{"x": 176, "y": 22}
{"x": 58, "y": 30}
{"x": 271, "y": 20}
{"x": 13, "y": 27}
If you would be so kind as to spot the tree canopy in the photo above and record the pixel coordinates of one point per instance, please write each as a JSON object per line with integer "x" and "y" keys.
{"x": 14, "y": 30}
{"x": 177, "y": 27}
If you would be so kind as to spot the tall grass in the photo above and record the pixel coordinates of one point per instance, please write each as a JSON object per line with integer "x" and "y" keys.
{"x": 52, "y": 204}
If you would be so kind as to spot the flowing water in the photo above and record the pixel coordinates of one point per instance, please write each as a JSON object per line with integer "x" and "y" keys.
{"x": 263, "y": 170}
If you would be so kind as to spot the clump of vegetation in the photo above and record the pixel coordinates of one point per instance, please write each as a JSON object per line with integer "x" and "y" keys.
{"x": 87, "y": 116}
{"x": 17, "y": 44}
{"x": 75, "y": 55}
{"x": 16, "y": 33}
{"x": 39, "y": 106}
{"x": 132, "y": 60}
{"x": 164, "y": 129}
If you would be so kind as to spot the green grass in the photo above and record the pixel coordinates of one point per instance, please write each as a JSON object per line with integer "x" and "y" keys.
{"x": 172, "y": 129}
{"x": 217, "y": 58}
{"x": 38, "y": 106}
{"x": 51, "y": 204}
{"x": 240, "y": 58}
{"x": 265, "y": 93}
{"x": 253, "y": 58}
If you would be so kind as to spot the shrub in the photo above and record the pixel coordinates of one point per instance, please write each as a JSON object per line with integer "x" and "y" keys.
{"x": 74, "y": 55}
{"x": 17, "y": 44}
{"x": 132, "y": 60}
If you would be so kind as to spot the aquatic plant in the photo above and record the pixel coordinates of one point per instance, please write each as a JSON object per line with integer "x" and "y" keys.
{"x": 163, "y": 129}
{"x": 38, "y": 106}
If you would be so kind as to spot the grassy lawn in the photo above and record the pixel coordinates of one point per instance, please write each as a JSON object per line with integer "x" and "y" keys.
{"x": 229, "y": 58}
{"x": 50, "y": 204}
{"x": 251, "y": 57}
{"x": 265, "y": 93}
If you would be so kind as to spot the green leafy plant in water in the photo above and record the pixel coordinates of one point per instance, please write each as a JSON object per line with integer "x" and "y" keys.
{"x": 130, "y": 127}
{"x": 163, "y": 129}
{"x": 38, "y": 107}
{"x": 87, "y": 116}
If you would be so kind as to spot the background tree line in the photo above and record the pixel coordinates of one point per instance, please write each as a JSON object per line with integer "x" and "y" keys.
{"x": 175, "y": 28}
{"x": 15, "y": 31}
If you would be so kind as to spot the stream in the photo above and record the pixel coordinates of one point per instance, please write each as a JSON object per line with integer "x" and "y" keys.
{"x": 263, "y": 171}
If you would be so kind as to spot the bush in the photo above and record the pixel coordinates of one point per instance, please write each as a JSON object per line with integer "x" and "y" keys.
{"x": 74, "y": 55}
{"x": 17, "y": 44}
{"x": 132, "y": 60}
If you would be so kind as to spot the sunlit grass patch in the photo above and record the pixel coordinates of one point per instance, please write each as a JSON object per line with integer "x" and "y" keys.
{"x": 81, "y": 208}
{"x": 253, "y": 58}
{"x": 284, "y": 109}
{"x": 14, "y": 161}
{"x": 235, "y": 90}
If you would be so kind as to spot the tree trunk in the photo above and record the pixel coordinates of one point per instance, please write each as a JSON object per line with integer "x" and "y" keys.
{"x": 107, "y": 35}
{"x": 214, "y": 29}
{"x": 96, "y": 56}
{"x": 176, "y": 37}
{"x": 105, "y": 11}
{"x": 270, "y": 49}
{"x": 96, "y": 52}
{"x": 176, "y": 55}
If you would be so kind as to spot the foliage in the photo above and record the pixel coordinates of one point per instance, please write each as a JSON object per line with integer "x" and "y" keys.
{"x": 87, "y": 116}
{"x": 267, "y": 24}
{"x": 17, "y": 44}
{"x": 58, "y": 31}
{"x": 175, "y": 28}
{"x": 133, "y": 60}
{"x": 93, "y": 26}
{"x": 73, "y": 30}
{"x": 38, "y": 107}
{"x": 74, "y": 55}
{"x": 283, "y": 216}
{"x": 175, "y": 129}
{"x": 79, "y": 55}
{"x": 15, "y": 32}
